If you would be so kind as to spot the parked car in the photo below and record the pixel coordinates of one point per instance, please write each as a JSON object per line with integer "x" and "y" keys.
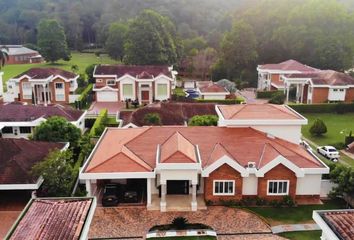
{"x": 110, "y": 195}
{"x": 329, "y": 152}
{"x": 131, "y": 197}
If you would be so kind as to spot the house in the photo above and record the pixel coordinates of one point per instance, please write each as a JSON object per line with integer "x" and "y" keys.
{"x": 269, "y": 75}
{"x": 210, "y": 90}
{"x": 145, "y": 83}
{"x": 18, "y": 120}
{"x": 202, "y": 164}
{"x": 335, "y": 224}
{"x": 320, "y": 86}
{"x": 277, "y": 120}
{"x": 19, "y": 54}
{"x": 42, "y": 86}
{"x": 17, "y": 157}
{"x": 54, "y": 218}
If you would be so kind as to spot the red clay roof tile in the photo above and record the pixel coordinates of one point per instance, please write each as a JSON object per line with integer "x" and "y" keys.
{"x": 142, "y": 71}
{"x": 42, "y": 73}
{"x": 289, "y": 65}
{"x": 341, "y": 222}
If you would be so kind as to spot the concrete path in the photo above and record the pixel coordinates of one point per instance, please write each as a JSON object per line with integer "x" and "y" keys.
{"x": 294, "y": 228}
{"x": 250, "y": 96}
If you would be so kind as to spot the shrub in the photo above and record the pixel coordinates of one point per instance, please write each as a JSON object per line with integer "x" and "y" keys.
{"x": 323, "y": 107}
{"x": 180, "y": 222}
{"x": 99, "y": 125}
{"x": 267, "y": 94}
{"x": 339, "y": 145}
{"x": 260, "y": 201}
{"x": 203, "y": 120}
{"x": 152, "y": 119}
{"x": 85, "y": 98}
{"x": 288, "y": 201}
{"x": 275, "y": 203}
{"x": 277, "y": 98}
{"x": 221, "y": 101}
{"x": 318, "y": 128}
{"x": 349, "y": 139}
{"x": 247, "y": 201}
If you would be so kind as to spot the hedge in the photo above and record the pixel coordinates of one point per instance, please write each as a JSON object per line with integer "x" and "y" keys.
{"x": 85, "y": 98}
{"x": 324, "y": 108}
{"x": 99, "y": 125}
{"x": 221, "y": 101}
{"x": 267, "y": 94}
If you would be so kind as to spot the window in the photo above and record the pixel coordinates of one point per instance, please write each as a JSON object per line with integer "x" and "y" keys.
{"x": 341, "y": 90}
{"x": 25, "y": 130}
{"x": 224, "y": 187}
{"x": 26, "y": 85}
{"x": 111, "y": 82}
{"x": 60, "y": 97}
{"x": 59, "y": 85}
{"x": 99, "y": 80}
{"x": 335, "y": 90}
{"x": 161, "y": 89}
{"x": 27, "y": 96}
{"x": 127, "y": 90}
{"x": 7, "y": 130}
{"x": 278, "y": 187}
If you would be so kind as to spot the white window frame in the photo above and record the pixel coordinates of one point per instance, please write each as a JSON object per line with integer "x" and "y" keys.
{"x": 224, "y": 194}
{"x": 278, "y": 194}
{"x": 60, "y": 97}
{"x": 62, "y": 85}
{"x": 111, "y": 84}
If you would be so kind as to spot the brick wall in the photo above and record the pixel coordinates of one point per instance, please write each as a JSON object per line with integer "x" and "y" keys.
{"x": 225, "y": 172}
{"x": 320, "y": 95}
{"x": 349, "y": 96}
{"x": 66, "y": 92}
{"x": 21, "y": 92}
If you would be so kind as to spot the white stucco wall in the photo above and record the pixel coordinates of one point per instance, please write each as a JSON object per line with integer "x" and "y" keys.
{"x": 162, "y": 80}
{"x": 191, "y": 175}
{"x": 309, "y": 185}
{"x": 127, "y": 80}
{"x": 289, "y": 133}
{"x": 214, "y": 97}
{"x": 250, "y": 185}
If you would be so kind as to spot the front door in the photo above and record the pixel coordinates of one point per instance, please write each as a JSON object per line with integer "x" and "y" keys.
{"x": 145, "y": 95}
{"x": 177, "y": 187}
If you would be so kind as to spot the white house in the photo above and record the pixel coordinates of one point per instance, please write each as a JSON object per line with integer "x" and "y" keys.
{"x": 210, "y": 90}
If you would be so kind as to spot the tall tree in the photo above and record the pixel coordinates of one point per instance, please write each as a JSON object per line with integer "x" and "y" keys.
{"x": 4, "y": 56}
{"x": 151, "y": 39}
{"x": 52, "y": 41}
{"x": 116, "y": 39}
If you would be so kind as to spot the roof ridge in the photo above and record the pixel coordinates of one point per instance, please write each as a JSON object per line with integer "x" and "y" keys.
{"x": 279, "y": 108}
{"x": 139, "y": 158}
{"x": 242, "y": 107}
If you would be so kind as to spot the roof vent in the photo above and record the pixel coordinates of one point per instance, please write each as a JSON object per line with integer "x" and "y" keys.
{"x": 269, "y": 135}
{"x": 251, "y": 165}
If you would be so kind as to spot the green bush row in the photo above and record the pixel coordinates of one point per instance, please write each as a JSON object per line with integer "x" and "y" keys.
{"x": 99, "y": 125}
{"x": 85, "y": 98}
{"x": 221, "y": 101}
{"x": 267, "y": 94}
{"x": 339, "y": 108}
{"x": 286, "y": 201}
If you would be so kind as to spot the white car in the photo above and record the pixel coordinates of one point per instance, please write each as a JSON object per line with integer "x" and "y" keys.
{"x": 329, "y": 152}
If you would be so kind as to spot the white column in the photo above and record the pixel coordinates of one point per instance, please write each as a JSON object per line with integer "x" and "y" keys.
{"x": 88, "y": 188}
{"x": 194, "y": 197}
{"x": 297, "y": 93}
{"x": 38, "y": 94}
{"x": 287, "y": 92}
{"x": 163, "y": 198}
{"x": 48, "y": 91}
{"x": 302, "y": 93}
{"x": 44, "y": 94}
{"x": 148, "y": 192}
{"x": 1, "y": 86}
{"x": 34, "y": 94}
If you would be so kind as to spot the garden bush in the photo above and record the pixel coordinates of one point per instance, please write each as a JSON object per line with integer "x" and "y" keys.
{"x": 349, "y": 139}
{"x": 323, "y": 108}
{"x": 267, "y": 94}
{"x": 277, "y": 98}
{"x": 339, "y": 145}
{"x": 152, "y": 119}
{"x": 99, "y": 125}
{"x": 85, "y": 98}
{"x": 203, "y": 120}
{"x": 221, "y": 101}
{"x": 288, "y": 201}
{"x": 318, "y": 128}
{"x": 261, "y": 201}
{"x": 180, "y": 222}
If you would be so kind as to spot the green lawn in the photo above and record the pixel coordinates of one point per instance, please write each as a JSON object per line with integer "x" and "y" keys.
{"x": 308, "y": 235}
{"x": 82, "y": 60}
{"x": 300, "y": 214}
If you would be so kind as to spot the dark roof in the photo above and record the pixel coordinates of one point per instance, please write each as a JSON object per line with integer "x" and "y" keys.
{"x": 17, "y": 157}
{"x": 19, "y": 50}
{"x": 289, "y": 65}
{"x": 41, "y": 73}
{"x": 14, "y": 112}
{"x": 341, "y": 223}
{"x": 142, "y": 72}
{"x": 53, "y": 219}
{"x": 326, "y": 77}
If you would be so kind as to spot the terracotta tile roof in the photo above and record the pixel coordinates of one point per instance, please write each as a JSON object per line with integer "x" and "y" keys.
{"x": 289, "y": 65}
{"x": 177, "y": 149}
{"x": 218, "y": 152}
{"x": 212, "y": 88}
{"x": 341, "y": 223}
{"x": 242, "y": 144}
{"x": 53, "y": 219}
{"x": 41, "y": 73}
{"x": 257, "y": 111}
{"x": 326, "y": 77}
{"x": 15, "y": 112}
{"x": 143, "y": 71}
{"x": 17, "y": 157}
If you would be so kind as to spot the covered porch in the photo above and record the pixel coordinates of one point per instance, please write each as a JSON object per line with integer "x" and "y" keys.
{"x": 179, "y": 203}
{"x": 301, "y": 86}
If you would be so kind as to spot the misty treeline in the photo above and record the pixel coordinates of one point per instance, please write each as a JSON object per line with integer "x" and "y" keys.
{"x": 205, "y": 38}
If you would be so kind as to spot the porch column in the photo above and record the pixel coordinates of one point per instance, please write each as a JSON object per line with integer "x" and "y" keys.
{"x": 148, "y": 191}
{"x": 45, "y": 94}
{"x": 34, "y": 94}
{"x": 38, "y": 94}
{"x": 287, "y": 92}
{"x": 297, "y": 93}
{"x": 163, "y": 198}
{"x": 302, "y": 93}
{"x": 88, "y": 188}
{"x": 48, "y": 91}
{"x": 194, "y": 197}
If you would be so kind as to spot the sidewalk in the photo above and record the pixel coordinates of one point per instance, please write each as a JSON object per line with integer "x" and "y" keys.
{"x": 294, "y": 228}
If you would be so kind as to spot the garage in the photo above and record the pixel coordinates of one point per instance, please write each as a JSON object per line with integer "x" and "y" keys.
{"x": 107, "y": 96}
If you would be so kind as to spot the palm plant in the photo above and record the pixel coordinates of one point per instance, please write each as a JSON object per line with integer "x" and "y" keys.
{"x": 4, "y": 56}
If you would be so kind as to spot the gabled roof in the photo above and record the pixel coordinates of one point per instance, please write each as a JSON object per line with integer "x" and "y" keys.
{"x": 136, "y": 71}
{"x": 17, "y": 112}
{"x": 42, "y": 73}
{"x": 257, "y": 112}
{"x": 218, "y": 152}
{"x": 326, "y": 77}
{"x": 177, "y": 149}
{"x": 54, "y": 219}
{"x": 18, "y": 156}
{"x": 289, "y": 65}
{"x": 212, "y": 88}
{"x": 19, "y": 50}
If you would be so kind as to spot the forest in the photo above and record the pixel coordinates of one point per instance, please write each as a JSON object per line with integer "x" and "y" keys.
{"x": 204, "y": 38}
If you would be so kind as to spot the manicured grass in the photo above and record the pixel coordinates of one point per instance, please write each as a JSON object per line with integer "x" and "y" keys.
{"x": 82, "y": 60}
{"x": 338, "y": 125}
{"x": 299, "y": 214}
{"x": 185, "y": 238}
{"x": 308, "y": 235}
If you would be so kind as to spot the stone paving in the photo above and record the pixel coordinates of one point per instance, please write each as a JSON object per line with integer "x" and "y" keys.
{"x": 252, "y": 237}
{"x": 135, "y": 222}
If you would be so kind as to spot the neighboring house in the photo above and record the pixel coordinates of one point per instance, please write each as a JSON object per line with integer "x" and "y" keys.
{"x": 320, "y": 86}
{"x": 210, "y": 90}
{"x": 335, "y": 224}
{"x": 189, "y": 84}
{"x": 18, "y": 120}
{"x": 17, "y": 157}
{"x": 145, "y": 83}
{"x": 54, "y": 218}
{"x": 42, "y": 86}
{"x": 19, "y": 54}
{"x": 277, "y": 120}
{"x": 269, "y": 75}
{"x": 205, "y": 164}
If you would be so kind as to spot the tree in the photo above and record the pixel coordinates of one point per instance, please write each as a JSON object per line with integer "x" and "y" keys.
{"x": 57, "y": 129}
{"x": 343, "y": 176}
{"x": 152, "y": 119}
{"x": 57, "y": 172}
{"x": 89, "y": 72}
{"x": 203, "y": 120}
{"x": 4, "y": 56}
{"x": 277, "y": 98}
{"x": 318, "y": 128}
{"x": 228, "y": 85}
{"x": 151, "y": 39}
{"x": 116, "y": 39}
{"x": 52, "y": 41}
{"x": 203, "y": 61}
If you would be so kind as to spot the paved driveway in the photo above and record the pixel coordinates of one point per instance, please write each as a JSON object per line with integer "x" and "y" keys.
{"x": 112, "y": 107}
{"x": 135, "y": 222}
